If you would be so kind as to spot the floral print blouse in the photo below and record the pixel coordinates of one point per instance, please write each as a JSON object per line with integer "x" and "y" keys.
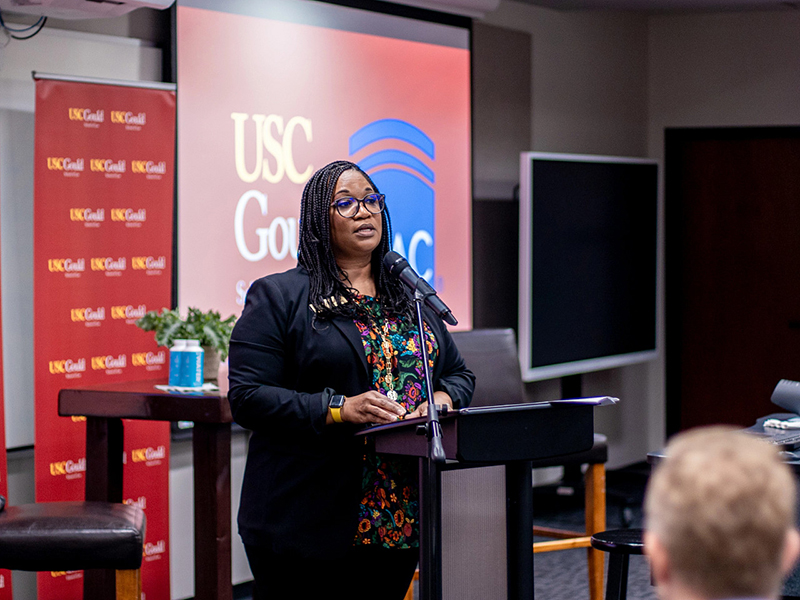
{"x": 389, "y": 510}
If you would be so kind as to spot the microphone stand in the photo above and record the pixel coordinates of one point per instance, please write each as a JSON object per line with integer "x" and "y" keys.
{"x": 430, "y": 477}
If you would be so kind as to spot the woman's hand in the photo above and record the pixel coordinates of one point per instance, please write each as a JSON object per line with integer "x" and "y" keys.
{"x": 438, "y": 398}
{"x": 371, "y": 407}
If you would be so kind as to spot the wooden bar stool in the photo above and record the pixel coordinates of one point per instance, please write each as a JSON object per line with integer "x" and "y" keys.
{"x": 594, "y": 509}
{"x": 71, "y": 536}
{"x": 620, "y": 544}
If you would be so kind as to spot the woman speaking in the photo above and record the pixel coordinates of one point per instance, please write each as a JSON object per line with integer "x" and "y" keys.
{"x": 320, "y": 351}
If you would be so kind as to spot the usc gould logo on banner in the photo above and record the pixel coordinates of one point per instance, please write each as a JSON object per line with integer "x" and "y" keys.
{"x": 149, "y": 456}
{"x": 154, "y": 551}
{"x": 112, "y": 169}
{"x": 129, "y": 216}
{"x": 91, "y": 317}
{"x": 90, "y": 118}
{"x": 129, "y": 313}
{"x": 132, "y": 121}
{"x": 69, "y": 368}
{"x": 152, "y": 169}
{"x": 112, "y": 267}
{"x": 68, "y": 575}
{"x": 71, "y": 468}
{"x": 70, "y": 167}
{"x": 152, "y": 361}
{"x": 112, "y": 365}
{"x": 68, "y": 266}
{"x": 87, "y": 216}
{"x": 150, "y": 264}
{"x": 140, "y": 502}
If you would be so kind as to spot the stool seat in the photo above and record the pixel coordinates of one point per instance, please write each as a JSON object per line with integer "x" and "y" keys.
{"x": 620, "y": 544}
{"x": 70, "y": 536}
{"x": 619, "y": 541}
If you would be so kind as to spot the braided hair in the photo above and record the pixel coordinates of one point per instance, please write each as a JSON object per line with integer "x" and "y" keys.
{"x": 315, "y": 252}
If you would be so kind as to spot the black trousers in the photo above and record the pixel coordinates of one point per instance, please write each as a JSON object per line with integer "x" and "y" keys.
{"x": 364, "y": 572}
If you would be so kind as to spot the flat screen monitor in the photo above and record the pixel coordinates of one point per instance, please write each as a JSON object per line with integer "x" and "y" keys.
{"x": 588, "y": 263}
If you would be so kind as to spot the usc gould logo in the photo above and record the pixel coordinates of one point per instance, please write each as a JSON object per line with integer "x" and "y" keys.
{"x": 66, "y": 265}
{"x": 111, "y": 266}
{"x": 149, "y": 359}
{"x": 149, "y": 167}
{"x": 68, "y": 467}
{"x": 129, "y": 119}
{"x": 140, "y": 502}
{"x": 105, "y": 165}
{"x": 154, "y": 551}
{"x": 153, "y": 265}
{"x": 148, "y": 454}
{"x": 69, "y": 575}
{"x": 90, "y": 317}
{"x": 106, "y": 363}
{"x": 129, "y": 216}
{"x": 70, "y": 167}
{"x": 87, "y": 116}
{"x": 128, "y": 312}
{"x": 67, "y": 367}
{"x": 87, "y": 216}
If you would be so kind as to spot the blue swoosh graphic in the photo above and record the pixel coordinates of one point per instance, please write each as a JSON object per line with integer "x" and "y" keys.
{"x": 398, "y": 157}
{"x": 391, "y": 128}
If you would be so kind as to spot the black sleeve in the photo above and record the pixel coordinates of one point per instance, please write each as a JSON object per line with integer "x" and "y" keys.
{"x": 259, "y": 362}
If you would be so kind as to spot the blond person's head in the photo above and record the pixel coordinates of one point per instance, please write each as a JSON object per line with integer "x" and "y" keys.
{"x": 719, "y": 516}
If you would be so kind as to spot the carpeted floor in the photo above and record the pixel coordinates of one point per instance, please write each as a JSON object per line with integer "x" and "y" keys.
{"x": 563, "y": 575}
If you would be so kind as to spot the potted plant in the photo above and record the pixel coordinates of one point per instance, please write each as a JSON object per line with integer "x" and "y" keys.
{"x": 213, "y": 332}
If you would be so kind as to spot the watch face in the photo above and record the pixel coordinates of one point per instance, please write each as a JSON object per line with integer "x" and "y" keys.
{"x": 336, "y": 401}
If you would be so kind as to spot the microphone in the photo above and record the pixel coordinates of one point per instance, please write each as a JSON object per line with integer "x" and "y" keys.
{"x": 399, "y": 267}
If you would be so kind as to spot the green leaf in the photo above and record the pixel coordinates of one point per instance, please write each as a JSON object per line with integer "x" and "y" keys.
{"x": 208, "y": 327}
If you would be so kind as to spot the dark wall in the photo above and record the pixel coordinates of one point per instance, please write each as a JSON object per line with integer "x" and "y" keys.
{"x": 501, "y": 121}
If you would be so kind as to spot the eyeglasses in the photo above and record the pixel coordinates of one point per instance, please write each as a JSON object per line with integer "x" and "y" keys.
{"x": 349, "y": 207}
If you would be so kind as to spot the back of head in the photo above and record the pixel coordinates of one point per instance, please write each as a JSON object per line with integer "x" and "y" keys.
{"x": 721, "y": 504}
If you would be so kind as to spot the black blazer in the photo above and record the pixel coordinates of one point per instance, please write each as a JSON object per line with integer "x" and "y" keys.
{"x": 302, "y": 482}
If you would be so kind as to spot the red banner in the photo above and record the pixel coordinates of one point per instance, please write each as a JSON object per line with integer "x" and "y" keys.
{"x": 103, "y": 205}
{"x": 5, "y": 575}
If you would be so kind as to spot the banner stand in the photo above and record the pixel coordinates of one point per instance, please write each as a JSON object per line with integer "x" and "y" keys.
{"x": 103, "y": 224}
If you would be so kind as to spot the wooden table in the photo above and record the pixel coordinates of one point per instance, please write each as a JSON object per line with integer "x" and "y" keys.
{"x": 104, "y": 408}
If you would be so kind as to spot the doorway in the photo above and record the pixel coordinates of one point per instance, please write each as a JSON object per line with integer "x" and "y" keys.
{"x": 732, "y": 259}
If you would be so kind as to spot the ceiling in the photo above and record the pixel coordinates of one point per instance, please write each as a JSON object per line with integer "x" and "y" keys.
{"x": 658, "y": 6}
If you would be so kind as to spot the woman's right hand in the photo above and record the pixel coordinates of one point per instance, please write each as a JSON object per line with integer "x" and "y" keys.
{"x": 371, "y": 407}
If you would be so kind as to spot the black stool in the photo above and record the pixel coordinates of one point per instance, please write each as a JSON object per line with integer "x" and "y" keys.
{"x": 620, "y": 544}
{"x": 70, "y": 536}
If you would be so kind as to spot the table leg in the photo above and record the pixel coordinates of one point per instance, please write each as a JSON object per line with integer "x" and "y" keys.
{"x": 519, "y": 529}
{"x": 104, "y": 459}
{"x": 103, "y": 477}
{"x": 212, "y": 511}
